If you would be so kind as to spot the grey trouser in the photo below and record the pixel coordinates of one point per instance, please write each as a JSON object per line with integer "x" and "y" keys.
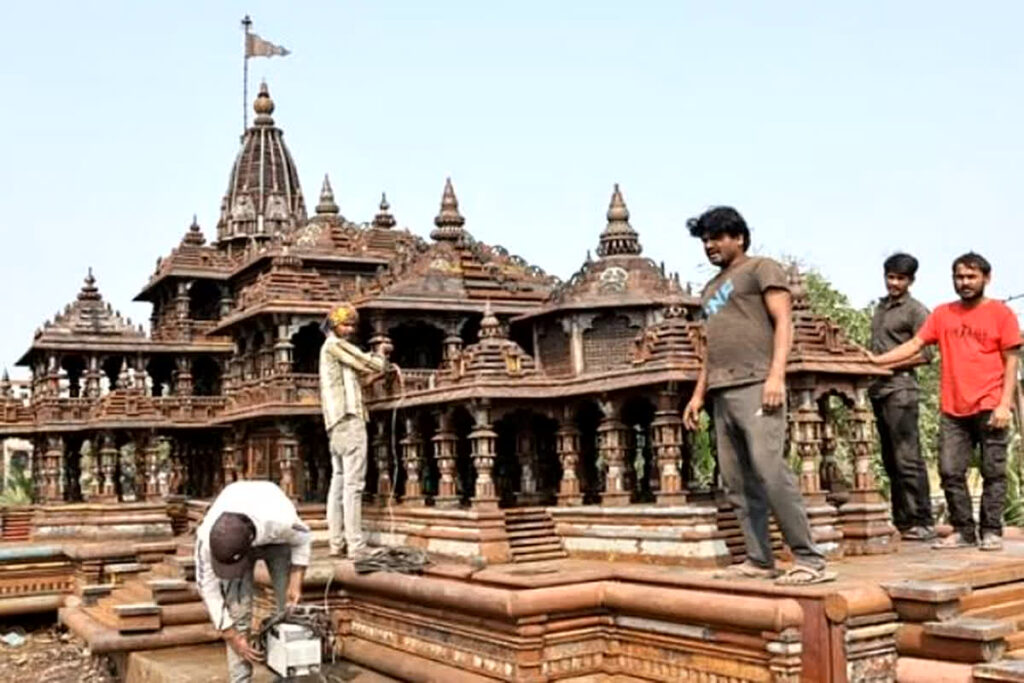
{"x": 348, "y": 479}
{"x": 957, "y": 438}
{"x": 896, "y": 419}
{"x": 238, "y": 600}
{"x": 751, "y": 445}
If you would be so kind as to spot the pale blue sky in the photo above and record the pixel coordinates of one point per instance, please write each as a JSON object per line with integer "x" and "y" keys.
{"x": 842, "y": 133}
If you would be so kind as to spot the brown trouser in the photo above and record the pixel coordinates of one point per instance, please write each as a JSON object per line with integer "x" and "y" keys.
{"x": 751, "y": 445}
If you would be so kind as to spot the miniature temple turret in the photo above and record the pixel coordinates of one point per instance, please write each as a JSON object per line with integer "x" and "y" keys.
{"x": 384, "y": 220}
{"x": 326, "y": 206}
{"x": 619, "y": 238}
{"x": 449, "y": 221}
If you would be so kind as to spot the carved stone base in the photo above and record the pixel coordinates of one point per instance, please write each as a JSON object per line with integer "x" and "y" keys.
{"x": 685, "y": 535}
{"x": 825, "y": 529}
{"x": 866, "y": 527}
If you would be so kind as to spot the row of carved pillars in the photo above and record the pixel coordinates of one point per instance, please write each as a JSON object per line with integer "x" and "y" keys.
{"x": 57, "y": 468}
{"x": 613, "y": 450}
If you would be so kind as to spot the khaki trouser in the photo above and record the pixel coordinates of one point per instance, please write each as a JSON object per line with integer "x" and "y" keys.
{"x": 348, "y": 479}
{"x": 238, "y": 600}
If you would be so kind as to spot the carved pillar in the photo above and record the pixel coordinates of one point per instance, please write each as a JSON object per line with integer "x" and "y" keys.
{"x": 52, "y": 470}
{"x": 181, "y": 308}
{"x": 483, "y": 440}
{"x": 107, "y": 466}
{"x": 140, "y": 442}
{"x": 805, "y": 434}
{"x": 229, "y": 459}
{"x": 379, "y": 448}
{"x": 183, "y": 383}
{"x": 151, "y": 485}
{"x": 178, "y": 456}
{"x": 567, "y": 446}
{"x": 52, "y": 375}
{"x": 667, "y": 444}
{"x": 528, "y": 458}
{"x": 287, "y": 459}
{"x": 444, "y": 453}
{"x": 412, "y": 456}
{"x": 380, "y": 342}
{"x": 92, "y": 378}
{"x": 612, "y": 447}
{"x": 452, "y": 351}
{"x": 283, "y": 348}
{"x": 865, "y": 516}
{"x": 226, "y": 303}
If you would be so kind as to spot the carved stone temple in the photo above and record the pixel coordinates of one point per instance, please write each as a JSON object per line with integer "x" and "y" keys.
{"x": 536, "y": 451}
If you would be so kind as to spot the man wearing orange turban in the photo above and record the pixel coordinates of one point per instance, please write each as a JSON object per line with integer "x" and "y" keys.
{"x": 344, "y": 367}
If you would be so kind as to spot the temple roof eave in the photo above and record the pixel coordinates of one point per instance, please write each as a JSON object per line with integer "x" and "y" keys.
{"x": 540, "y": 387}
{"x": 273, "y": 306}
{"x": 417, "y": 304}
{"x": 629, "y": 300}
{"x": 219, "y": 274}
{"x": 85, "y": 345}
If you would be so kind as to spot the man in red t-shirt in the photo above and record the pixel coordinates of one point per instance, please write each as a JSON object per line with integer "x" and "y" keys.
{"x": 978, "y": 340}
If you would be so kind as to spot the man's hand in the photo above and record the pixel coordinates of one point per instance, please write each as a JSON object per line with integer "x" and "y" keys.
{"x": 774, "y": 393}
{"x": 237, "y": 641}
{"x": 1000, "y": 418}
{"x": 691, "y": 414}
{"x": 294, "y": 592}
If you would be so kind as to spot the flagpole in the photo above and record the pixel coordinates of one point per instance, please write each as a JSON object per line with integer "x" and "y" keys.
{"x": 246, "y": 25}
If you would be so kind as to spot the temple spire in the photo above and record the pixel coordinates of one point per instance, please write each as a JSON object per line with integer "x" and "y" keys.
{"x": 194, "y": 236}
{"x": 449, "y": 221}
{"x": 89, "y": 289}
{"x": 490, "y": 326}
{"x": 326, "y": 206}
{"x": 619, "y": 238}
{"x": 384, "y": 220}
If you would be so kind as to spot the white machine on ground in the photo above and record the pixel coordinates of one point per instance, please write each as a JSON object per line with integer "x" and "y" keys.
{"x": 293, "y": 650}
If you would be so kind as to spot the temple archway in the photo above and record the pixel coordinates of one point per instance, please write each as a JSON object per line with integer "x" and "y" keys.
{"x": 306, "y": 343}
{"x": 417, "y": 345}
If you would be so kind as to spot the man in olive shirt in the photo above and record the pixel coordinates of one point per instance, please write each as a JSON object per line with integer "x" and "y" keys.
{"x": 897, "y": 319}
{"x": 748, "y": 314}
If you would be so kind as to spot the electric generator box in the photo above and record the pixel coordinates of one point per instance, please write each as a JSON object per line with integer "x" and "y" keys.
{"x": 293, "y": 650}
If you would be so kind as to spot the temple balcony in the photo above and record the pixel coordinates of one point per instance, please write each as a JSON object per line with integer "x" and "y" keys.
{"x": 288, "y": 392}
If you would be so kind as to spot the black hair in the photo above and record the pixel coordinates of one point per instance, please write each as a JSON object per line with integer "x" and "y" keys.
{"x": 975, "y": 261}
{"x": 720, "y": 220}
{"x": 901, "y": 264}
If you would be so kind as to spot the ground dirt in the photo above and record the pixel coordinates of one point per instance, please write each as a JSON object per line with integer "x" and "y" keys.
{"x": 50, "y": 653}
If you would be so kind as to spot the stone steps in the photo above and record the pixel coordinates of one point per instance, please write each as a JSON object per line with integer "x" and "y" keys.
{"x": 532, "y": 536}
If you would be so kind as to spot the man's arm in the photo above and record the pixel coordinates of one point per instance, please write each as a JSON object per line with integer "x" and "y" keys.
{"x": 1001, "y": 416}
{"x": 691, "y": 414}
{"x": 780, "y": 310}
{"x": 301, "y": 543}
{"x": 209, "y": 587}
{"x": 354, "y": 357}
{"x": 926, "y": 353}
{"x": 900, "y": 354}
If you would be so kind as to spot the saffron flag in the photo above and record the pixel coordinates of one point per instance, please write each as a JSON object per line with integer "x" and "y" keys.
{"x": 257, "y": 47}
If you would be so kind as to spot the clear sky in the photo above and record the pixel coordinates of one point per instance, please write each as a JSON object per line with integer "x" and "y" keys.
{"x": 841, "y": 133}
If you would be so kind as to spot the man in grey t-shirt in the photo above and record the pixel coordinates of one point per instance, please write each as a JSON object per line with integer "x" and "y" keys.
{"x": 748, "y": 321}
{"x": 897, "y": 319}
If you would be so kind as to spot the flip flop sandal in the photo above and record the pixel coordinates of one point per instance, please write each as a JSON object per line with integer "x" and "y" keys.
{"x": 951, "y": 542}
{"x": 746, "y": 570}
{"x": 991, "y": 542}
{"x": 802, "y": 575}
